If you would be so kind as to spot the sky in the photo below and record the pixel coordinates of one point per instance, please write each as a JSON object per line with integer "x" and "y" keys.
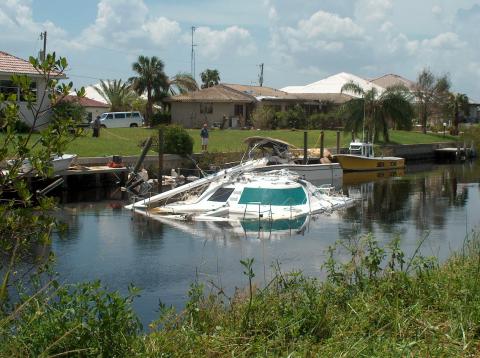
{"x": 298, "y": 41}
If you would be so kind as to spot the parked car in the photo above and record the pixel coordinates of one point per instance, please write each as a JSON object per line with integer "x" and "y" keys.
{"x": 121, "y": 119}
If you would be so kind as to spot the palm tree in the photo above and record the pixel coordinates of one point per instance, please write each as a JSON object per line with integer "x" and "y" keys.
{"x": 117, "y": 94}
{"x": 151, "y": 79}
{"x": 457, "y": 102}
{"x": 182, "y": 83}
{"x": 374, "y": 111}
{"x": 210, "y": 78}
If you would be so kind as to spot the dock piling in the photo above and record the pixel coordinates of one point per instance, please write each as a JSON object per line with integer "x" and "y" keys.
{"x": 322, "y": 142}
{"x": 305, "y": 148}
{"x": 338, "y": 142}
{"x": 160, "y": 158}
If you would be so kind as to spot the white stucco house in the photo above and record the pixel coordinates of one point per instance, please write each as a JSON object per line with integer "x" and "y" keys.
{"x": 93, "y": 108}
{"x": 11, "y": 65}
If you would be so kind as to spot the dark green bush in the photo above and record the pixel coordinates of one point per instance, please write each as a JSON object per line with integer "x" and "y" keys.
{"x": 176, "y": 140}
{"x": 85, "y": 320}
{"x": 160, "y": 118}
{"x": 324, "y": 121}
{"x": 69, "y": 110}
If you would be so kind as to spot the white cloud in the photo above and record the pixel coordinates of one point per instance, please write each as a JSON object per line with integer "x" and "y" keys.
{"x": 328, "y": 25}
{"x": 437, "y": 10}
{"x": 322, "y": 31}
{"x": 127, "y": 23}
{"x": 17, "y": 23}
{"x": 233, "y": 40}
{"x": 162, "y": 30}
{"x": 442, "y": 42}
{"x": 372, "y": 10}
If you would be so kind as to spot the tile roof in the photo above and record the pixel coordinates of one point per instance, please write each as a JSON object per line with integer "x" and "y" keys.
{"x": 11, "y": 64}
{"x": 85, "y": 102}
{"x": 392, "y": 80}
{"x": 218, "y": 93}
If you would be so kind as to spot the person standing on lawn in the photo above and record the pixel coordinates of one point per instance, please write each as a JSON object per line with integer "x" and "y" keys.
{"x": 96, "y": 127}
{"x": 204, "y": 136}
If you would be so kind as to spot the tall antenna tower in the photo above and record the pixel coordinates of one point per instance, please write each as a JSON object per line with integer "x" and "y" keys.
{"x": 260, "y": 77}
{"x": 192, "y": 57}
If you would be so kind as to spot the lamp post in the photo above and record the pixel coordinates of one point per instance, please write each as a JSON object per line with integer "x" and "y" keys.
{"x": 444, "y": 128}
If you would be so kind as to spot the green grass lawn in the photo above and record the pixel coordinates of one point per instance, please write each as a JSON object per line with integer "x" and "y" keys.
{"x": 126, "y": 141}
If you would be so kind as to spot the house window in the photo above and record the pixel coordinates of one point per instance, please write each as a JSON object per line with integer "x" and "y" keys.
{"x": 238, "y": 110}
{"x": 206, "y": 107}
{"x": 8, "y": 88}
{"x": 33, "y": 92}
{"x": 311, "y": 108}
{"x": 89, "y": 116}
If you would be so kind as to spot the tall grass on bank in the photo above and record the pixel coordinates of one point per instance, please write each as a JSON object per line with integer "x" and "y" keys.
{"x": 376, "y": 302}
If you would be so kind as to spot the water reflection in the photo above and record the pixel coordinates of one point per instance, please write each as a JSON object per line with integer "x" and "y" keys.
{"x": 104, "y": 241}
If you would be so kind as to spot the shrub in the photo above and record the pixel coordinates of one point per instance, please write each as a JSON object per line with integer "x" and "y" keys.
{"x": 293, "y": 118}
{"x": 324, "y": 121}
{"x": 160, "y": 118}
{"x": 83, "y": 319}
{"x": 176, "y": 140}
{"x": 264, "y": 118}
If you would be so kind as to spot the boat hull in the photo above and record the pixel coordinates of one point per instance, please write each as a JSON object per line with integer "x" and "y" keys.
{"x": 351, "y": 162}
{"x": 324, "y": 173}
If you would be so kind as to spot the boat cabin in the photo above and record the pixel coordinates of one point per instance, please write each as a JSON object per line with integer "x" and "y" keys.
{"x": 361, "y": 149}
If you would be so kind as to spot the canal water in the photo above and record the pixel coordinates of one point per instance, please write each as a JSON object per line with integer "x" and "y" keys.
{"x": 104, "y": 241}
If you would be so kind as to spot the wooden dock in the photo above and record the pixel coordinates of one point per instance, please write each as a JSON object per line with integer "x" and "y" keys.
{"x": 453, "y": 154}
{"x": 80, "y": 176}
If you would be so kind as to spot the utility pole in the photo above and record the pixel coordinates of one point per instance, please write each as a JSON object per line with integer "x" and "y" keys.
{"x": 260, "y": 78}
{"x": 43, "y": 36}
{"x": 192, "y": 57}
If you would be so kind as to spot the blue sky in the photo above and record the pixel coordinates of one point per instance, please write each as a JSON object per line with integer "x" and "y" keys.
{"x": 299, "y": 41}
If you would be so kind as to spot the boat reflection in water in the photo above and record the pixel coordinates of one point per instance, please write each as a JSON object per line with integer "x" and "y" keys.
{"x": 240, "y": 229}
{"x": 352, "y": 178}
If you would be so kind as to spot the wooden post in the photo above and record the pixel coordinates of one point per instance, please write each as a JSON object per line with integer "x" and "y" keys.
{"x": 305, "y": 153}
{"x": 322, "y": 142}
{"x": 160, "y": 159}
{"x": 338, "y": 142}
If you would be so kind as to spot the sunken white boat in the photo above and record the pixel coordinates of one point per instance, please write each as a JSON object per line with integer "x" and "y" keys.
{"x": 240, "y": 193}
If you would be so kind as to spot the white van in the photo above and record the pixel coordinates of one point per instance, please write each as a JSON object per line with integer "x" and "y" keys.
{"x": 121, "y": 119}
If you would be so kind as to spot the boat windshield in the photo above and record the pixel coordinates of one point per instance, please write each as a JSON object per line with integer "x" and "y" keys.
{"x": 356, "y": 149}
{"x": 221, "y": 195}
{"x": 274, "y": 197}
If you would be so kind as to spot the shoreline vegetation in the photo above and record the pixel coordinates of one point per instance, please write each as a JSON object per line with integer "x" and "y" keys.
{"x": 375, "y": 302}
{"x": 126, "y": 141}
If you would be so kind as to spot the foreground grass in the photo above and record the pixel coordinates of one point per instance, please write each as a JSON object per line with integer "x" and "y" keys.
{"x": 126, "y": 141}
{"x": 375, "y": 304}
{"x": 423, "y": 310}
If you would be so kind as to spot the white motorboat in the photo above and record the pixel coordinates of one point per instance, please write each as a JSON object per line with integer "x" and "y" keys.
{"x": 244, "y": 194}
{"x": 59, "y": 163}
{"x": 280, "y": 156}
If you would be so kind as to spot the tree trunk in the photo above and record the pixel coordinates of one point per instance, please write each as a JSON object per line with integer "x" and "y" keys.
{"x": 456, "y": 121}
{"x": 424, "y": 122}
{"x": 149, "y": 108}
